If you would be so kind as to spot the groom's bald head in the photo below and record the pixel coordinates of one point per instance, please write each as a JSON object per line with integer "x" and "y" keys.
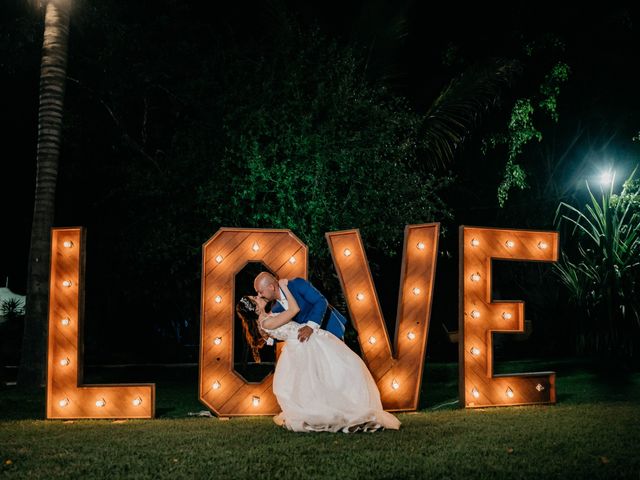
{"x": 266, "y": 286}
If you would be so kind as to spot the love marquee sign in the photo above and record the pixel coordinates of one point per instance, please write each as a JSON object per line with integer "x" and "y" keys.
{"x": 397, "y": 368}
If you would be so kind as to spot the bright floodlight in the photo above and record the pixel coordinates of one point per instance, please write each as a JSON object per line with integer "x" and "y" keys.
{"x": 606, "y": 178}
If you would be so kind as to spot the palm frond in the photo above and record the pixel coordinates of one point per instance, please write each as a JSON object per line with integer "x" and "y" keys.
{"x": 592, "y": 232}
{"x": 460, "y": 107}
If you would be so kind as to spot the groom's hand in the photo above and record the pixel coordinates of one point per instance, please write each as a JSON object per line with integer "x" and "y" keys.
{"x": 304, "y": 333}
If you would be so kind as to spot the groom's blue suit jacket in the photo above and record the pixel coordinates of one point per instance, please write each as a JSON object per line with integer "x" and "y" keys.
{"x": 313, "y": 307}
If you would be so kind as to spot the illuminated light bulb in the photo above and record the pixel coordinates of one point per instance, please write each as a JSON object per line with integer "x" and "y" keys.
{"x": 64, "y": 362}
{"x": 506, "y": 315}
{"x": 217, "y": 340}
{"x": 218, "y": 299}
{"x": 539, "y": 387}
{"x": 475, "y": 392}
{"x": 475, "y": 351}
{"x": 509, "y": 392}
{"x": 68, "y": 244}
{"x": 347, "y": 252}
{"x": 475, "y": 242}
{"x": 64, "y": 402}
{"x": 219, "y": 259}
{"x": 543, "y": 245}
{"x": 360, "y": 296}
{"x": 411, "y": 336}
{"x": 255, "y": 401}
{"x": 216, "y": 385}
{"x": 421, "y": 246}
{"x": 255, "y": 247}
{"x": 372, "y": 340}
{"x": 395, "y": 385}
{"x": 137, "y": 402}
{"x": 475, "y": 314}
{"x": 65, "y": 322}
{"x": 101, "y": 403}
{"x": 416, "y": 291}
{"x": 509, "y": 243}
{"x": 475, "y": 277}
{"x": 67, "y": 283}
{"x": 292, "y": 260}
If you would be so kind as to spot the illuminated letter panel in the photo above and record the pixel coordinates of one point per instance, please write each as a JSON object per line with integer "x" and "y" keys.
{"x": 397, "y": 372}
{"x": 222, "y": 389}
{"x": 480, "y": 317}
{"x": 66, "y": 397}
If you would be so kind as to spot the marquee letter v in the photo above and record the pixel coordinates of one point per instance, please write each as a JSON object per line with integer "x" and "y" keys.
{"x": 397, "y": 371}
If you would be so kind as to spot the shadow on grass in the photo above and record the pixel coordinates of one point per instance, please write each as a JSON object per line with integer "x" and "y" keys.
{"x": 577, "y": 382}
{"x": 439, "y": 386}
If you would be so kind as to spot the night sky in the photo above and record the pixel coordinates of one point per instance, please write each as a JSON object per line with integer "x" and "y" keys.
{"x": 406, "y": 44}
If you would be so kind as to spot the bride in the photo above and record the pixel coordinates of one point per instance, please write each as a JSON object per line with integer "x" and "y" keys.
{"x": 321, "y": 384}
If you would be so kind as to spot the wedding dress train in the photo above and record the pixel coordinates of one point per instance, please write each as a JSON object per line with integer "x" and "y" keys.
{"x": 322, "y": 385}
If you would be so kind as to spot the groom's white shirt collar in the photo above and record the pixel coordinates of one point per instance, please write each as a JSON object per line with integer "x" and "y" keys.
{"x": 285, "y": 305}
{"x": 283, "y": 300}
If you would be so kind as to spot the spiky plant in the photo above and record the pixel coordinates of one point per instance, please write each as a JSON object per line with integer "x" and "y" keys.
{"x": 604, "y": 276}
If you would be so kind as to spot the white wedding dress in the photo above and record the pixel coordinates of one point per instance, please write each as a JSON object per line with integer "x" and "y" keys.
{"x": 322, "y": 385}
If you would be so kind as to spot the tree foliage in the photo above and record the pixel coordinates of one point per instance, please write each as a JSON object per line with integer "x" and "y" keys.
{"x": 309, "y": 145}
{"x": 522, "y": 125}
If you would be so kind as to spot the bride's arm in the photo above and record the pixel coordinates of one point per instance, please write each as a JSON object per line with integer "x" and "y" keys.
{"x": 286, "y": 316}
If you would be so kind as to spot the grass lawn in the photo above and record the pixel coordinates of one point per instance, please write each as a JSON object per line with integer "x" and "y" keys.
{"x": 593, "y": 432}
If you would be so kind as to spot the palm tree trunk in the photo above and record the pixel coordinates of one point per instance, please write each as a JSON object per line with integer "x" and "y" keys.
{"x": 52, "y": 85}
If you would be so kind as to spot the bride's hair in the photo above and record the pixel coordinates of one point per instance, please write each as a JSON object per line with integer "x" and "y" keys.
{"x": 246, "y": 310}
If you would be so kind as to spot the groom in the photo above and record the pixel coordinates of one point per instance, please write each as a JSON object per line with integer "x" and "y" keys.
{"x": 315, "y": 311}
